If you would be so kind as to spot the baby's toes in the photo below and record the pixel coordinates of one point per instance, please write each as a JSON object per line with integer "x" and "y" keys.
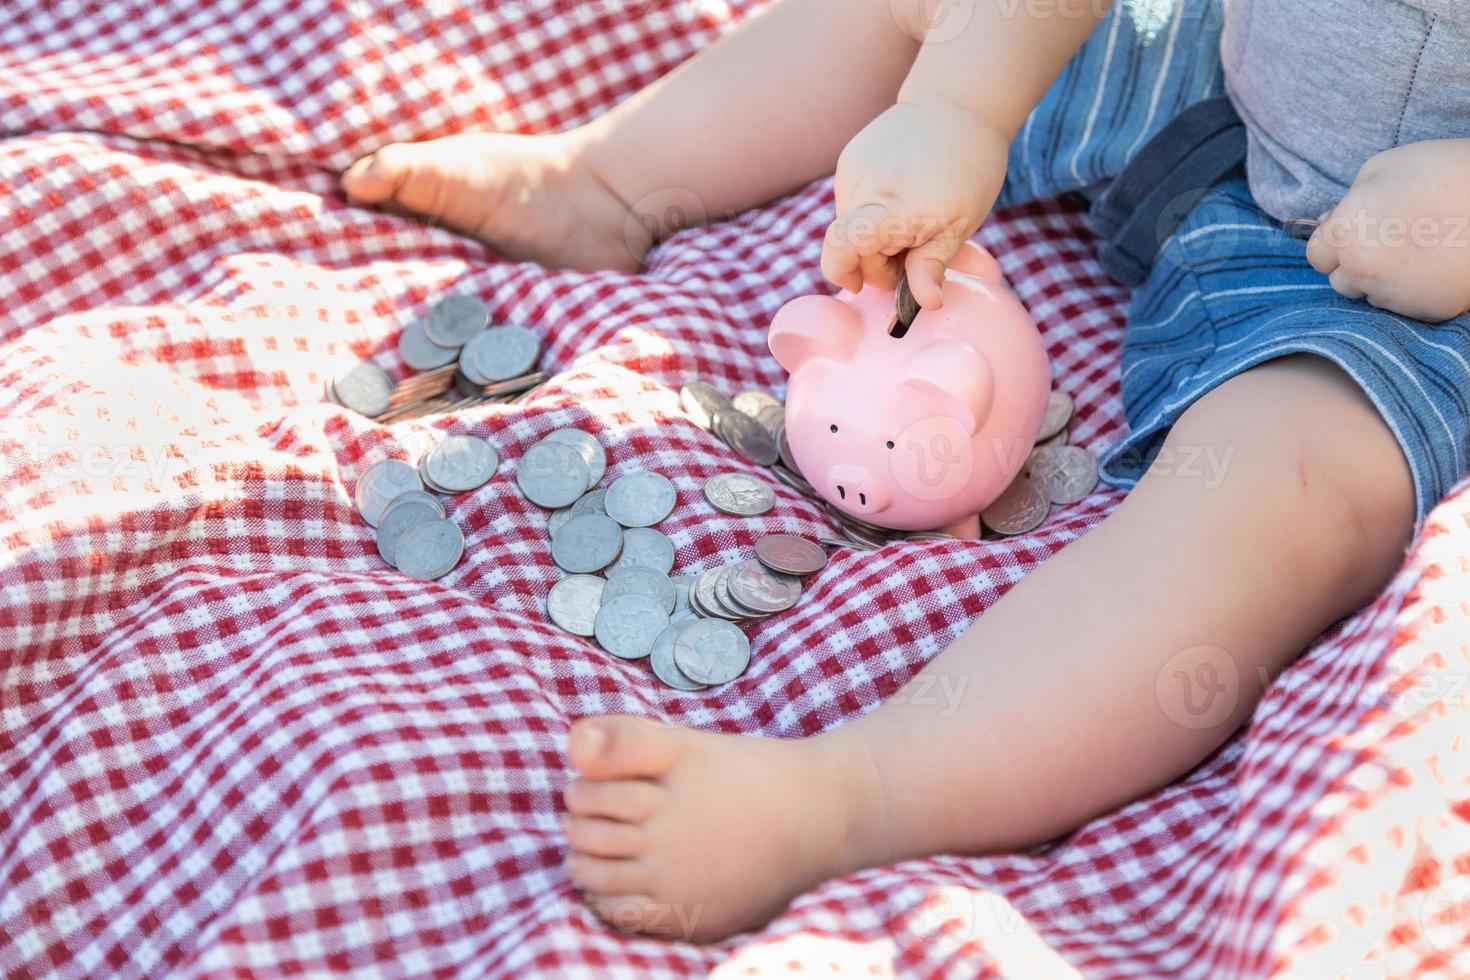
{"x": 610, "y": 876}
{"x": 597, "y": 837}
{"x": 628, "y": 800}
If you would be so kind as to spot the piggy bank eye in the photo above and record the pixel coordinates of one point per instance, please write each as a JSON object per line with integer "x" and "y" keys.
{"x": 834, "y": 427}
{"x": 889, "y": 444}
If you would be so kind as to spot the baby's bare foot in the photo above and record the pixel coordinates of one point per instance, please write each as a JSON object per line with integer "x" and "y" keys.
{"x": 696, "y": 836}
{"x": 527, "y": 197}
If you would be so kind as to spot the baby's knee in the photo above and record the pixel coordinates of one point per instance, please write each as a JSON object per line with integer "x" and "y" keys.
{"x": 1297, "y": 444}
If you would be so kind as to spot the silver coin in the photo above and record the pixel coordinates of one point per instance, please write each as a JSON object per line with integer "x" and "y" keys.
{"x": 725, "y": 606}
{"x": 640, "y": 499}
{"x": 587, "y": 543}
{"x": 475, "y": 381}
{"x": 662, "y": 658}
{"x": 552, "y": 474}
{"x": 681, "y": 594}
{"x": 415, "y": 496}
{"x": 558, "y": 518}
{"x": 744, "y": 435}
{"x": 905, "y": 307}
{"x": 590, "y": 448}
{"x": 1059, "y": 410}
{"x": 573, "y": 603}
{"x": 790, "y": 554}
{"x": 643, "y": 547}
{"x": 502, "y": 353}
{"x": 1065, "y": 474}
{"x": 773, "y": 420}
{"x": 461, "y": 463}
{"x": 364, "y": 387}
{"x": 1060, "y": 439}
{"x": 429, "y": 550}
{"x": 1021, "y": 508}
{"x": 712, "y": 652}
{"x": 627, "y": 626}
{"x": 740, "y": 494}
{"x": 794, "y": 481}
{"x": 702, "y": 401}
{"x": 456, "y": 319}
{"x": 752, "y": 402}
{"x": 405, "y": 513}
{"x": 591, "y": 502}
{"x": 758, "y": 588}
{"x": 380, "y": 484}
{"x": 421, "y": 353}
{"x": 702, "y": 591}
{"x": 641, "y": 581}
{"x": 783, "y": 448}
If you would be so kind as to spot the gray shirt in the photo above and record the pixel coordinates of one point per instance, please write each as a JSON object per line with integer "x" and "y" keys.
{"x": 1325, "y": 84}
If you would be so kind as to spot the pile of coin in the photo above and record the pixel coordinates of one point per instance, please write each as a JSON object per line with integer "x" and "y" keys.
{"x": 619, "y": 589}
{"x": 414, "y": 532}
{"x": 753, "y": 424}
{"x": 1054, "y": 473}
{"x": 466, "y": 361}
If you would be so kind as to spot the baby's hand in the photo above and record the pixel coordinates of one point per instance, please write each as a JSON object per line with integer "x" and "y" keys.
{"x": 1400, "y": 238}
{"x": 912, "y": 187}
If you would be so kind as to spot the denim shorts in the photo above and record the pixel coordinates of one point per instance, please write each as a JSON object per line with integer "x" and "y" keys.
{"x": 1230, "y": 288}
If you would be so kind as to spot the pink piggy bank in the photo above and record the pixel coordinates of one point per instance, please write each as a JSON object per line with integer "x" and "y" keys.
{"x": 923, "y": 430}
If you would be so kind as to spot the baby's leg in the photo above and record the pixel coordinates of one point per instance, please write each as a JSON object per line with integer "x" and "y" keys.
{"x": 1084, "y": 687}
{"x": 760, "y": 113}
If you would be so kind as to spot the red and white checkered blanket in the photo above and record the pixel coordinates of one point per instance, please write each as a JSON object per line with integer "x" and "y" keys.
{"x": 235, "y": 743}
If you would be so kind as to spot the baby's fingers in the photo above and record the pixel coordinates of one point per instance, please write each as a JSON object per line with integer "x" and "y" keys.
{"x": 926, "y": 266}
{"x": 859, "y": 242}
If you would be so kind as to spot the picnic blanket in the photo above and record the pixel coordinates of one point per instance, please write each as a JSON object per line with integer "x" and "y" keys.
{"x": 236, "y": 743}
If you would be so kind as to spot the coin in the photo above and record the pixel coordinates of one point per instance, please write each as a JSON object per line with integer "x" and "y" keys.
{"x": 460, "y": 463}
{"x": 587, "y": 543}
{"x": 429, "y": 550}
{"x": 590, "y": 449}
{"x": 906, "y": 308}
{"x": 640, "y": 498}
{"x": 1059, "y": 409}
{"x": 794, "y": 481}
{"x": 725, "y": 606}
{"x": 558, "y": 518}
{"x": 1021, "y": 508}
{"x": 791, "y": 554}
{"x": 456, "y": 319}
{"x": 573, "y": 603}
{"x": 412, "y": 496}
{"x": 702, "y": 591}
{"x": 773, "y": 420}
{"x": 380, "y": 484}
{"x": 740, "y": 494}
{"x": 552, "y": 474}
{"x": 783, "y": 447}
{"x": 752, "y": 402}
{"x": 712, "y": 652}
{"x": 363, "y": 387}
{"x": 662, "y": 658}
{"x": 641, "y": 581}
{"x": 591, "y": 502}
{"x": 681, "y": 596}
{"x": 702, "y": 401}
{"x": 627, "y": 626}
{"x": 502, "y": 353}
{"x": 1064, "y": 474}
{"x": 421, "y": 353}
{"x": 745, "y": 435}
{"x": 643, "y": 547}
{"x": 762, "y": 590}
{"x": 408, "y": 511}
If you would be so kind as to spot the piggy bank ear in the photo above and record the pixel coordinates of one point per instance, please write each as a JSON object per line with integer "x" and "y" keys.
{"x": 813, "y": 328}
{"x": 973, "y": 260}
{"x": 956, "y": 376}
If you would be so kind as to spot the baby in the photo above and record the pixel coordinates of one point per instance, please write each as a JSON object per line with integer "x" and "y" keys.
{"x": 1334, "y": 376}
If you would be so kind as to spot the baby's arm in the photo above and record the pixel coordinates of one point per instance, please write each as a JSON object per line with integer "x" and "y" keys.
{"x": 917, "y": 182}
{"x": 1400, "y": 238}
{"x": 758, "y": 114}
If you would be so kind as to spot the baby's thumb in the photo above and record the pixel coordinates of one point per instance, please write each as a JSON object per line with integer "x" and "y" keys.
{"x": 925, "y": 265}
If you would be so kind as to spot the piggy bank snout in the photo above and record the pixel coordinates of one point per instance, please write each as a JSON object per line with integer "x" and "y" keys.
{"x": 858, "y": 489}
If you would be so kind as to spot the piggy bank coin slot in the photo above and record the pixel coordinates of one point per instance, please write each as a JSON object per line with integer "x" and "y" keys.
{"x": 906, "y": 308}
